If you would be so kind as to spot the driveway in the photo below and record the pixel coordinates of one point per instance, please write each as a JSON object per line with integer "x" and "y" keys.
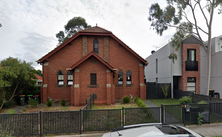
{"x": 207, "y": 130}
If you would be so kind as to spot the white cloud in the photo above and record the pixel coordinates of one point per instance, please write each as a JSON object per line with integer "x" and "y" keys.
{"x": 29, "y": 26}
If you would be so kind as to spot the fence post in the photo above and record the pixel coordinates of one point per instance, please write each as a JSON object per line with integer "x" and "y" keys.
{"x": 86, "y": 104}
{"x": 80, "y": 113}
{"x": 90, "y": 103}
{"x": 184, "y": 114}
{"x": 123, "y": 120}
{"x": 162, "y": 113}
{"x": 93, "y": 98}
{"x": 209, "y": 111}
{"x": 40, "y": 117}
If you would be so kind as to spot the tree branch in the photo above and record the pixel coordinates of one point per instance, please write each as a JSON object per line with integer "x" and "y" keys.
{"x": 14, "y": 91}
{"x": 196, "y": 26}
{"x": 203, "y": 14}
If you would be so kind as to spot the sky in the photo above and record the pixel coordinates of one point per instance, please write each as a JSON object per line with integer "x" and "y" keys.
{"x": 29, "y": 26}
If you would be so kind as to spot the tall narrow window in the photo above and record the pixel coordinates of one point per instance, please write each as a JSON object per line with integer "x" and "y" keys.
{"x": 120, "y": 77}
{"x": 96, "y": 46}
{"x": 128, "y": 77}
{"x": 191, "y": 84}
{"x": 93, "y": 79}
{"x": 191, "y": 55}
{"x": 69, "y": 78}
{"x": 156, "y": 66}
{"x": 60, "y": 78}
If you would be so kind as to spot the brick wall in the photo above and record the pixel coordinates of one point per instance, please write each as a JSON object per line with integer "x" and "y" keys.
{"x": 186, "y": 74}
{"x": 119, "y": 58}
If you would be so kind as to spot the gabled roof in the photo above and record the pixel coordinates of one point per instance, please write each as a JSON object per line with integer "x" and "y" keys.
{"x": 91, "y": 31}
{"x": 96, "y": 29}
{"x": 38, "y": 77}
{"x": 191, "y": 39}
{"x": 91, "y": 54}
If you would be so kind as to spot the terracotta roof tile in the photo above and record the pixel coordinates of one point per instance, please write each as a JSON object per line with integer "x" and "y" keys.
{"x": 96, "y": 29}
{"x": 38, "y": 77}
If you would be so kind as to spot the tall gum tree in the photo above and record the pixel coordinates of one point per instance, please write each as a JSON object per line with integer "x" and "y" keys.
{"x": 175, "y": 14}
{"x": 73, "y": 26}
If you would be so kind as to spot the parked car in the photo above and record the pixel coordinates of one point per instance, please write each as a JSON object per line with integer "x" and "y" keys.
{"x": 152, "y": 129}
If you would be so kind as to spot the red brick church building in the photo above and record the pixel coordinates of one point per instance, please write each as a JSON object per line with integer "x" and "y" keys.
{"x": 92, "y": 61}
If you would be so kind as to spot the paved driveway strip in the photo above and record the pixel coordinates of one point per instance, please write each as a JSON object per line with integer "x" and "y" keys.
{"x": 208, "y": 130}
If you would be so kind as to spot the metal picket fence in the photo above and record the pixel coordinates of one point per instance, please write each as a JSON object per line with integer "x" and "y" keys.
{"x": 42, "y": 123}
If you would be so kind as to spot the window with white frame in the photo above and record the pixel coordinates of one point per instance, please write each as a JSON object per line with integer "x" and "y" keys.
{"x": 120, "y": 77}
{"x": 128, "y": 77}
{"x": 191, "y": 84}
{"x": 69, "y": 78}
{"x": 60, "y": 78}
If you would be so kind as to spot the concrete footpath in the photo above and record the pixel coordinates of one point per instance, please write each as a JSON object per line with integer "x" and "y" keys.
{"x": 207, "y": 130}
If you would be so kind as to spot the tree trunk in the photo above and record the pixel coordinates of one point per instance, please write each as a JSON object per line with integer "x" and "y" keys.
{"x": 208, "y": 66}
{"x": 209, "y": 47}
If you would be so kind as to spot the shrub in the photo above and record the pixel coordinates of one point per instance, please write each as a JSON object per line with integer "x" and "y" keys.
{"x": 126, "y": 99}
{"x": 49, "y": 103}
{"x": 185, "y": 99}
{"x": 140, "y": 102}
{"x": 136, "y": 99}
{"x": 202, "y": 102}
{"x": 143, "y": 105}
{"x": 24, "y": 109}
{"x": 9, "y": 104}
{"x": 11, "y": 111}
{"x": 199, "y": 119}
{"x": 164, "y": 89}
{"x": 63, "y": 102}
{"x": 33, "y": 103}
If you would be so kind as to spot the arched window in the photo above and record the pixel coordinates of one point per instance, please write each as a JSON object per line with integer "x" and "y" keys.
{"x": 120, "y": 77}
{"x": 60, "y": 78}
{"x": 128, "y": 77}
{"x": 96, "y": 46}
{"x": 69, "y": 78}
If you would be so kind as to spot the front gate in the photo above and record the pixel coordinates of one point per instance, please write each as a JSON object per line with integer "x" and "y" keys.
{"x": 177, "y": 114}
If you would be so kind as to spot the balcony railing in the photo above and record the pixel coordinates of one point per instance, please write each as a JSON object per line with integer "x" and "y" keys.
{"x": 191, "y": 65}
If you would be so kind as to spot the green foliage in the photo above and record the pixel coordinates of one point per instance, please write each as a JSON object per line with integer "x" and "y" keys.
{"x": 63, "y": 102}
{"x": 199, "y": 119}
{"x": 126, "y": 99}
{"x": 33, "y": 103}
{"x": 140, "y": 102}
{"x": 73, "y": 26}
{"x": 24, "y": 109}
{"x": 185, "y": 99}
{"x": 165, "y": 90}
{"x": 8, "y": 104}
{"x": 173, "y": 56}
{"x": 49, "y": 103}
{"x": 7, "y": 132}
{"x": 202, "y": 102}
{"x": 38, "y": 72}
{"x": 11, "y": 111}
{"x": 135, "y": 99}
{"x": 16, "y": 77}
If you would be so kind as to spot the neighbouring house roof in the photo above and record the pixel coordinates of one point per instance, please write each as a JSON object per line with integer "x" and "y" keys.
{"x": 38, "y": 77}
{"x": 191, "y": 40}
{"x": 92, "y": 31}
{"x": 91, "y": 54}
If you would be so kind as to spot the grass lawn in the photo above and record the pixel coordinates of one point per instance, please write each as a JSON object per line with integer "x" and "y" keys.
{"x": 115, "y": 106}
{"x": 169, "y": 101}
